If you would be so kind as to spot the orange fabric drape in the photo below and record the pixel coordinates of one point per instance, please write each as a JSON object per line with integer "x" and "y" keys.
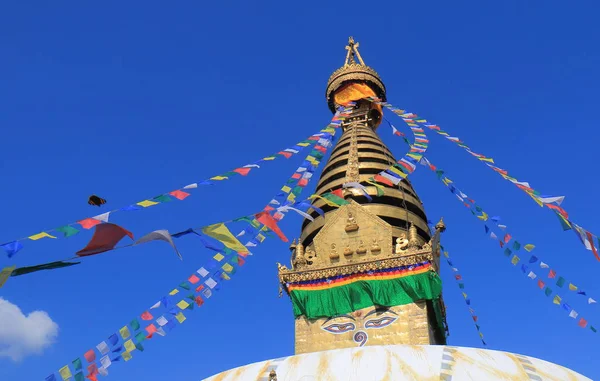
{"x": 353, "y": 92}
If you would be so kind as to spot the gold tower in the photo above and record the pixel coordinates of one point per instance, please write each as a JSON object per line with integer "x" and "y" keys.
{"x": 367, "y": 272}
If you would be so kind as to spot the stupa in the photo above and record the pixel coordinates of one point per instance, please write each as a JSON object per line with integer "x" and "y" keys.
{"x": 363, "y": 279}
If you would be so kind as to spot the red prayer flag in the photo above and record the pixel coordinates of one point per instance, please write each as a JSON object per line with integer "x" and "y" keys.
{"x": 92, "y": 377}
{"x": 303, "y": 182}
{"x": 501, "y": 243}
{"x": 150, "y": 329}
{"x": 199, "y": 301}
{"x": 105, "y": 237}
{"x": 541, "y": 284}
{"x": 582, "y": 323}
{"x": 93, "y": 369}
{"x": 200, "y": 288}
{"x": 321, "y": 149}
{"x": 241, "y": 261}
{"x": 590, "y": 238}
{"x": 88, "y": 223}
{"x": 286, "y": 154}
{"x": 266, "y": 219}
{"x": 313, "y": 138}
{"x": 475, "y": 318}
{"x": 552, "y": 274}
{"x": 296, "y": 175}
{"x": 458, "y": 277}
{"x": 180, "y": 195}
{"x": 559, "y": 210}
{"x": 507, "y": 238}
{"x": 268, "y": 208}
{"x": 193, "y": 279}
{"x": 146, "y": 315}
{"x": 383, "y": 180}
{"x": 242, "y": 171}
{"x": 90, "y": 355}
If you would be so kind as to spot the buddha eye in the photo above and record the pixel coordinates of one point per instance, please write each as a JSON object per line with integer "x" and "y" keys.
{"x": 380, "y": 323}
{"x": 340, "y": 328}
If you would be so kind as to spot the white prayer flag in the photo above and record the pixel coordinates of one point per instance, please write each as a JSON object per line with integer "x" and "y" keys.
{"x": 162, "y": 321}
{"x": 105, "y": 361}
{"x": 202, "y": 271}
{"x": 543, "y": 265}
{"x": 102, "y": 217}
{"x": 156, "y": 305}
{"x": 590, "y": 301}
{"x": 191, "y": 186}
{"x": 102, "y": 348}
{"x": 532, "y": 275}
{"x": 210, "y": 282}
{"x": 573, "y": 314}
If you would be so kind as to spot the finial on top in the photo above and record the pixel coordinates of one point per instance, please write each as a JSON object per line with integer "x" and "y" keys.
{"x": 352, "y": 49}
{"x": 441, "y": 226}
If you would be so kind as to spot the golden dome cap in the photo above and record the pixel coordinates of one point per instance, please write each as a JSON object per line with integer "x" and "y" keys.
{"x": 353, "y": 72}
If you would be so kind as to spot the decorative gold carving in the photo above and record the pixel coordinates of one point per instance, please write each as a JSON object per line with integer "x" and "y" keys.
{"x": 351, "y": 225}
{"x": 272, "y": 375}
{"x": 281, "y": 268}
{"x": 413, "y": 238}
{"x": 441, "y": 226}
{"x": 401, "y": 244}
{"x": 333, "y": 254}
{"x": 361, "y": 248}
{"x": 348, "y": 251}
{"x": 287, "y": 276}
{"x": 375, "y": 248}
{"x": 310, "y": 256}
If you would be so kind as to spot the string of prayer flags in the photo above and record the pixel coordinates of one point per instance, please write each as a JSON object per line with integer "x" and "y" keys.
{"x": 515, "y": 259}
{"x": 68, "y": 230}
{"x": 461, "y": 286}
{"x": 208, "y": 281}
{"x": 551, "y": 202}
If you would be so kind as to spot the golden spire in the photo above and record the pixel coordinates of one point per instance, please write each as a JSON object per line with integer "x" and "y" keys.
{"x": 353, "y": 71}
{"x": 352, "y": 49}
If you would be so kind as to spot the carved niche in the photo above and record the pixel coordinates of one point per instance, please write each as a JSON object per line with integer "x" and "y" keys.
{"x": 352, "y": 235}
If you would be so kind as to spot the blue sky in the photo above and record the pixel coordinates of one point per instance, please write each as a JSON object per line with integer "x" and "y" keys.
{"x": 130, "y": 101}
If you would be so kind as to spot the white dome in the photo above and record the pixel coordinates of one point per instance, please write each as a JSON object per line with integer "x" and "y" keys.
{"x": 403, "y": 362}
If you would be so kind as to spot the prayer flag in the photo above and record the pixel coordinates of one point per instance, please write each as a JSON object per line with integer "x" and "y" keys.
{"x": 146, "y": 316}
{"x": 573, "y": 314}
{"x": 529, "y": 247}
{"x": 159, "y": 235}
{"x": 183, "y": 304}
{"x": 531, "y": 275}
{"x": 551, "y": 274}
{"x": 90, "y": 355}
{"x": 543, "y": 265}
{"x": 113, "y": 339}
{"x": 266, "y": 219}
{"x": 533, "y": 259}
{"x": 560, "y": 282}
{"x": 548, "y": 291}
{"x": 105, "y": 237}
{"x": 65, "y": 372}
{"x": 124, "y": 332}
{"x": 102, "y": 348}
{"x": 221, "y": 233}
{"x": 202, "y": 271}
{"x": 541, "y": 284}
{"x": 41, "y": 235}
{"x": 129, "y": 346}
{"x": 180, "y": 317}
{"x": 5, "y": 274}
{"x": 590, "y": 301}
{"x": 173, "y": 292}
{"x": 515, "y": 260}
{"x": 572, "y": 287}
{"x": 193, "y": 279}
{"x": 556, "y": 300}
{"x": 12, "y": 248}
{"x": 77, "y": 365}
{"x": 219, "y": 257}
{"x": 582, "y": 323}
{"x": 67, "y": 230}
{"x": 180, "y": 195}
{"x": 126, "y": 356}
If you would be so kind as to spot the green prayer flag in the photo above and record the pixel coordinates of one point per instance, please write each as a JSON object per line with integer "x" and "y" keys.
{"x": 507, "y": 252}
{"x": 79, "y": 377}
{"x": 461, "y": 286}
{"x": 140, "y": 347}
{"x": 439, "y": 173}
{"x": 190, "y": 306}
{"x": 318, "y": 155}
{"x": 77, "y": 363}
{"x": 229, "y": 174}
{"x": 592, "y": 328}
{"x": 297, "y": 190}
{"x": 140, "y": 336}
{"x": 191, "y": 297}
{"x": 184, "y": 285}
{"x": 67, "y": 230}
{"x": 548, "y": 291}
{"x": 560, "y": 282}
{"x": 516, "y": 245}
{"x": 290, "y": 181}
{"x": 45, "y": 266}
{"x": 135, "y": 324}
{"x": 335, "y": 199}
{"x": 163, "y": 198}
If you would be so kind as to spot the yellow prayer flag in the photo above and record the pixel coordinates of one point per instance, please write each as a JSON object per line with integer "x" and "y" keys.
{"x": 65, "y": 372}
{"x": 529, "y": 247}
{"x": 180, "y": 317}
{"x": 536, "y": 199}
{"x": 303, "y": 144}
{"x": 227, "y": 267}
{"x": 483, "y": 217}
{"x": 515, "y": 260}
{"x": 443, "y": 133}
{"x": 126, "y": 356}
{"x": 556, "y": 300}
{"x": 183, "y": 304}
{"x": 219, "y": 178}
{"x": 264, "y": 228}
{"x": 414, "y": 156}
{"x": 221, "y": 233}
{"x": 446, "y": 181}
{"x": 129, "y": 346}
{"x": 572, "y": 287}
{"x": 398, "y": 172}
{"x": 146, "y": 203}
{"x": 41, "y": 235}
{"x": 481, "y": 335}
{"x": 311, "y": 158}
{"x": 219, "y": 257}
{"x": 173, "y": 292}
{"x": 268, "y": 158}
{"x": 421, "y": 120}
{"x": 5, "y": 274}
{"x": 446, "y": 254}
{"x": 225, "y": 276}
{"x": 124, "y": 332}
{"x": 464, "y": 295}
{"x": 260, "y": 237}
{"x": 412, "y": 124}
{"x": 286, "y": 189}
{"x": 291, "y": 197}
{"x": 488, "y": 159}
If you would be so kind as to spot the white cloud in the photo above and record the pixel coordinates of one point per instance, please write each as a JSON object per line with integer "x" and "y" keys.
{"x": 22, "y": 335}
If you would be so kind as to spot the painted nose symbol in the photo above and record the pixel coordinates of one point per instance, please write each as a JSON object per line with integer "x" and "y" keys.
{"x": 360, "y": 337}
